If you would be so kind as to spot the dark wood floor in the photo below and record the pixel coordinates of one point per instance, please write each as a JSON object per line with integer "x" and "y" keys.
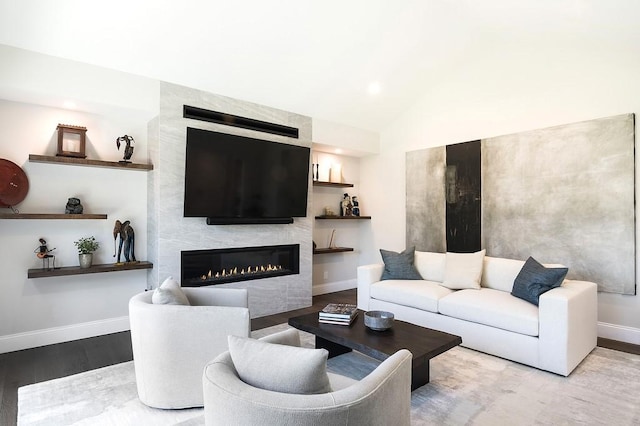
{"x": 35, "y": 365}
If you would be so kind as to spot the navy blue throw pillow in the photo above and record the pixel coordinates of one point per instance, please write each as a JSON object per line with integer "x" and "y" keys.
{"x": 399, "y": 266}
{"x": 534, "y": 279}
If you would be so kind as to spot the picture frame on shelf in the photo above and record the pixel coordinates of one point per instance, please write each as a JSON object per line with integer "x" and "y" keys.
{"x": 72, "y": 141}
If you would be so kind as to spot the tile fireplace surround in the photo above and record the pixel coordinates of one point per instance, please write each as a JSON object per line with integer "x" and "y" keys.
{"x": 170, "y": 233}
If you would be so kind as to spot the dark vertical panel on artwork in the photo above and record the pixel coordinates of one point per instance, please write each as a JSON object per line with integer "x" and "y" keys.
{"x": 462, "y": 194}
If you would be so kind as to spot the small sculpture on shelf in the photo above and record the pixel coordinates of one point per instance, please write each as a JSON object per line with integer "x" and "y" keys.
{"x": 128, "y": 149}
{"x": 124, "y": 230}
{"x": 346, "y": 207}
{"x": 332, "y": 239}
{"x": 356, "y": 206}
{"x": 73, "y": 206}
{"x": 42, "y": 252}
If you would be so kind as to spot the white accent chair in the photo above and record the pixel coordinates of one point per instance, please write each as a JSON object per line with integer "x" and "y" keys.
{"x": 381, "y": 398}
{"x": 172, "y": 343}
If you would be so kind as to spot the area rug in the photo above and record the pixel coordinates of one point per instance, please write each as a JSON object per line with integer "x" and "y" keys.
{"x": 466, "y": 388}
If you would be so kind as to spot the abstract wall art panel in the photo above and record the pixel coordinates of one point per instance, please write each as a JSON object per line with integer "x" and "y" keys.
{"x": 564, "y": 194}
{"x": 463, "y": 191}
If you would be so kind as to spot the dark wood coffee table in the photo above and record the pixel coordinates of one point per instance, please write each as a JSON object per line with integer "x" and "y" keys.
{"x": 423, "y": 343}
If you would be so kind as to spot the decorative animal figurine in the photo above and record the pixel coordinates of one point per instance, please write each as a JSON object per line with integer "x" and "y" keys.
{"x": 127, "y": 239}
{"x": 128, "y": 149}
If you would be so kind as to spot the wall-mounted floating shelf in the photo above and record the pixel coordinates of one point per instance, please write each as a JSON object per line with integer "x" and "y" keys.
{"x": 332, "y": 184}
{"x": 331, "y": 250}
{"x": 343, "y": 217}
{"x": 94, "y": 269}
{"x": 87, "y": 162}
{"x": 51, "y": 216}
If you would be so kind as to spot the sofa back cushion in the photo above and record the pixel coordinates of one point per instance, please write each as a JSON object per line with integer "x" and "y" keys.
{"x": 399, "y": 266}
{"x": 430, "y": 265}
{"x": 499, "y": 273}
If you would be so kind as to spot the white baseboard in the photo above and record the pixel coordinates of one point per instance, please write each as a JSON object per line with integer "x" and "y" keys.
{"x": 333, "y": 287}
{"x": 619, "y": 332}
{"x": 49, "y": 336}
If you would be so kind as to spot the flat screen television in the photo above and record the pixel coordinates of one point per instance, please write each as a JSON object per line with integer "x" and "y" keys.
{"x": 236, "y": 179}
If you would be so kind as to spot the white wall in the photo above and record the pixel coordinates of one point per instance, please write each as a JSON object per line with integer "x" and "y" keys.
{"x": 33, "y": 88}
{"x": 511, "y": 82}
{"x": 34, "y": 312}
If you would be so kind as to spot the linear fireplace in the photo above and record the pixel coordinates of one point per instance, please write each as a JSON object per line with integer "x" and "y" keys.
{"x": 219, "y": 266}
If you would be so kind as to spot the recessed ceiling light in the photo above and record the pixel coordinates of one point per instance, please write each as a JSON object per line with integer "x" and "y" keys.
{"x": 69, "y": 104}
{"x": 374, "y": 88}
{"x": 338, "y": 151}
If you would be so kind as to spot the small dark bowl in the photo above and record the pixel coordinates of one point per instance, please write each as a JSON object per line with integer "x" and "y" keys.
{"x": 378, "y": 320}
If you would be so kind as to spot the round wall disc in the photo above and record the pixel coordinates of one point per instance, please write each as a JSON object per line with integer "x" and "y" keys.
{"x": 14, "y": 184}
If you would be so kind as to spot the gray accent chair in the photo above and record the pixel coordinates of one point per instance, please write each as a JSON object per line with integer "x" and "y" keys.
{"x": 172, "y": 343}
{"x": 381, "y": 398}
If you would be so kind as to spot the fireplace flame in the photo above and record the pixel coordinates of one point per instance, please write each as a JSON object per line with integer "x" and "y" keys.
{"x": 232, "y": 272}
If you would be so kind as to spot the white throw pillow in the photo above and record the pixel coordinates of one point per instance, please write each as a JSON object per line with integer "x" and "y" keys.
{"x": 169, "y": 293}
{"x": 280, "y": 368}
{"x": 463, "y": 270}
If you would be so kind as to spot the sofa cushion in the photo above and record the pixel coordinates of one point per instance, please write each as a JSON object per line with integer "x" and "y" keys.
{"x": 420, "y": 294}
{"x": 499, "y": 273}
{"x": 430, "y": 265}
{"x": 169, "y": 293}
{"x": 280, "y": 368}
{"x": 399, "y": 266}
{"x": 463, "y": 270}
{"x": 534, "y": 279}
{"x": 491, "y": 307}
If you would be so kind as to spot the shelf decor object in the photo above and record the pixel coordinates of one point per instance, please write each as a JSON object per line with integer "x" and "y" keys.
{"x": 14, "y": 184}
{"x": 86, "y": 246}
{"x": 71, "y": 141}
{"x": 335, "y": 175}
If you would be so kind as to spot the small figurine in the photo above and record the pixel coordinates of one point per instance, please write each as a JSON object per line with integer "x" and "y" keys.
{"x": 127, "y": 239}
{"x": 346, "y": 207}
{"x": 128, "y": 149}
{"x": 356, "y": 206}
{"x": 73, "y": 206}
{"x": 42, "y": 252}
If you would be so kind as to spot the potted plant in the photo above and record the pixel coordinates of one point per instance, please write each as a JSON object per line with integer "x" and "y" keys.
{"x": 86, "y": 247}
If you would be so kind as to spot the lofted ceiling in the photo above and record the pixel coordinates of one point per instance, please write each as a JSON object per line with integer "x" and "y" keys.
{"x": 312, "y": 57}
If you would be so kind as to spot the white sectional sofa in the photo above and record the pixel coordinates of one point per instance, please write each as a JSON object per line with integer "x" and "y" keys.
{"x": 554, "y": 336}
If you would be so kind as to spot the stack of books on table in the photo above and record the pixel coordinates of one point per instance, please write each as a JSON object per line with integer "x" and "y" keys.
{"x": 338, "y": 313}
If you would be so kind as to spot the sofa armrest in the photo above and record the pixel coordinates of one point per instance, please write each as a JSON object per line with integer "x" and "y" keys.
{"x": 367, "y": 275}
{"x": 568, "y": 317}
{"x": 383, "y": 397}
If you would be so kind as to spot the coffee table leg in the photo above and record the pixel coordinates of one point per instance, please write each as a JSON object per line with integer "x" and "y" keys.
{"x": 419, "y": 374}
{"x": 333, "y": 348}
